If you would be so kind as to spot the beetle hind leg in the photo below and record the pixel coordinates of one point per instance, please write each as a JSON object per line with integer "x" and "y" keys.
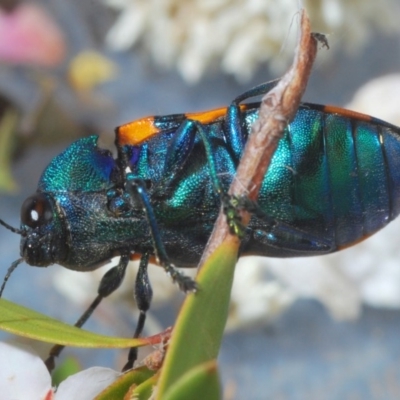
{"x": 282, "y": 239}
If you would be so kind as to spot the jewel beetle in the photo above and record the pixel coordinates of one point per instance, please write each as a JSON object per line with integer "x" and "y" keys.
{"x": 333, "y": 181}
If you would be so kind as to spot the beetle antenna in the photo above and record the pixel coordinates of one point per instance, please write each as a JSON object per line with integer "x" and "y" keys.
{"x": 11, "y": 228}
{"x": 9, "y": 272}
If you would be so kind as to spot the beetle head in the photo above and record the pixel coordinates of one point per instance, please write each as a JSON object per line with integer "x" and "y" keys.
{"x": 43, "y": 235}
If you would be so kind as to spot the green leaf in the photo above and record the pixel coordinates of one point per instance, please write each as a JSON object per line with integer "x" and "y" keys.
{"x": 201, "y": 382}
{"x": 130, "y": 381}
{"x": 28, "y": 323}
{"x": 198, "y": 331}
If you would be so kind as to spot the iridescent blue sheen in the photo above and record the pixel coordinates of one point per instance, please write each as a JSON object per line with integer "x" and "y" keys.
{"x": 80, "y": 167}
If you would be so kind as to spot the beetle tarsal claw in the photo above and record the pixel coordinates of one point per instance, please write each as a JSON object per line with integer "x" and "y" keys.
{"x": 185, "y": 283}
{"x": 188, "y": 285}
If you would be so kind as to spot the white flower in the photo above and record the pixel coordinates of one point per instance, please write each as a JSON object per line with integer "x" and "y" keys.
{"x": 239, "y": 35}
{"x": 23, "y": 375}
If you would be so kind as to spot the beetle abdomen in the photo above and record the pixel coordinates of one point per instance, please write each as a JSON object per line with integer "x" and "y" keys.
{"x": 335, "y": 176}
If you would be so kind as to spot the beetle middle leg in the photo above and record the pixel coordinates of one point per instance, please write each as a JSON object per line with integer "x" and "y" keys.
{"x": 143, "y": 296}
{"x": 137, "y": 190}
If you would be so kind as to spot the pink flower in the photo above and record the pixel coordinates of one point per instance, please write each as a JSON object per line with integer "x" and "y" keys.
{"x": 29, "y": 35}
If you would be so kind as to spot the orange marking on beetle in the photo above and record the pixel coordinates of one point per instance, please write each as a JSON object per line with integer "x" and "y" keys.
{"x": 347, "y": 113}
{"x": 136, "y": 132}
{"x": 206, "y": 117}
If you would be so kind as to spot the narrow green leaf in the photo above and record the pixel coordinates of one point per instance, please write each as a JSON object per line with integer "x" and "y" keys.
{"x": 198, "y": 331}
{"x": 28, "y": 323}
{"x": 201, "y": 382}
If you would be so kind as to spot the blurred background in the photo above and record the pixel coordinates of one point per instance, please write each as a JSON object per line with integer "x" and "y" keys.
{"x": 304, "y": 328}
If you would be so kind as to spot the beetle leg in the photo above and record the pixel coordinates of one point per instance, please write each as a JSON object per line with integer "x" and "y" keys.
{"x": 136, "y": 189}
{"x": 235, "y": 130}
{"x": 283, "y": 236}
{"x": 258, "y": 90}
{"x": 143, "y": 296}
{"x": 288, "y": 240}
{"x": 179, "y": 151}
{"x": 275, "y": 233}
{"x": 109, "y": 283}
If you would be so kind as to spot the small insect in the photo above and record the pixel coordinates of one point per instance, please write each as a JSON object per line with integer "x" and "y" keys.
{"x": 333, "y": 181}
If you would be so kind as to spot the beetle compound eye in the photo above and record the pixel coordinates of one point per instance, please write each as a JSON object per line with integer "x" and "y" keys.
{"x": 36, "y": 210}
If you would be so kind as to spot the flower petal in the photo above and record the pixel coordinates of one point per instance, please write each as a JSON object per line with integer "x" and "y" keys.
{"x": 87, "y": 384}
{"x": 23, "y": 374}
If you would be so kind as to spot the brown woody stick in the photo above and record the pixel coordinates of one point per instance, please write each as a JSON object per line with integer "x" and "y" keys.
{"x": 278, "y": 108}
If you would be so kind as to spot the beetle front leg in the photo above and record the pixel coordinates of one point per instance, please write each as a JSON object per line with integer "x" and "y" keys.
{"x": 109, "y": 283}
